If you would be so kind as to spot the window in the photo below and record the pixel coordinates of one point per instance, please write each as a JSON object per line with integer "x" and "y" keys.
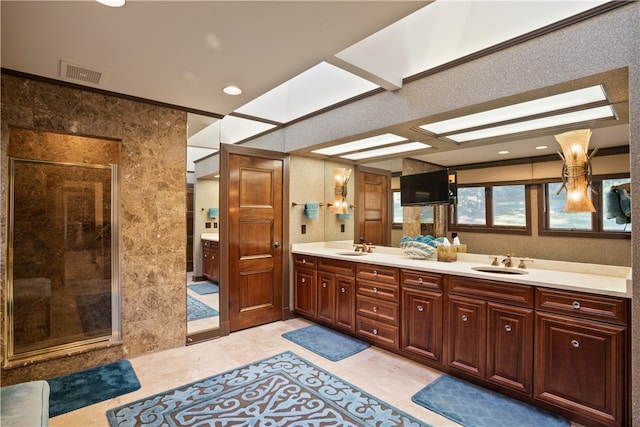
{"x": 492, "y": 208}
{"x": 611, "y": 219}
{"x": 426, "y": 212}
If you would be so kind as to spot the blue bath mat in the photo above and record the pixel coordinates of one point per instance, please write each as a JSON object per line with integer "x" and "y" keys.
{"x": 326, "y": 342}
{"x": 197, "y": 310}
{"x": 475, "y": 406}
{"x": 204, "y": 288}
{"x": 83, "y": 388}
{"x": 283, "y": 390}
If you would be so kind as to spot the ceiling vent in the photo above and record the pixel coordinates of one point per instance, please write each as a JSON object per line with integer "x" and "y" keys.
{"x": 80, "y": 73}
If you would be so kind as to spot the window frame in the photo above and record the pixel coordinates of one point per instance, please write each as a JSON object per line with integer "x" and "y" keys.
{"x": 489, "y": 226}
{"x": 597, "y": 218}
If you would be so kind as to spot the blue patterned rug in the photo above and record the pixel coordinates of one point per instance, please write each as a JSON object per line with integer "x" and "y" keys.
{"x": 326, "y": 342}
{"x": 283, "y": 390}
{"x": 475, "y": 406}
{"x": 83, "y": 388}
{"x": 197, "y": 310}
{"x": 204, "y": 288}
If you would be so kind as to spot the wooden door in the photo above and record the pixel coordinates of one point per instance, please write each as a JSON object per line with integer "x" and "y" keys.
{"x": 345, "y": 303}
{"x": 422, "y": 323}
{"x": 373, "y": 207}
{"x": 326, "y": 296}
{"x": 254, "y": 240}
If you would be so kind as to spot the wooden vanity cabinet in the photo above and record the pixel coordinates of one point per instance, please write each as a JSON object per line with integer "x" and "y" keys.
{"x": 489, "y": 331}
{"x": 581, "y": 345}
{"x": 210, "y": 260}
{"x": 377, "y": 304}
{"x": 304, "y": 285}
{"x": 421, "y": 332}
{"x": 336, "y": 293}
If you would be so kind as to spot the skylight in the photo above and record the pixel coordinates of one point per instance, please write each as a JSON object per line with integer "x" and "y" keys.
{"x": 361, "y": 144}
{"x": 386, "y": 151}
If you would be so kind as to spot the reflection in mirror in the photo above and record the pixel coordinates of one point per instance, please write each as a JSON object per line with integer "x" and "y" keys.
{"x": 202, "y": 287}
{"x": 338, "y": 226}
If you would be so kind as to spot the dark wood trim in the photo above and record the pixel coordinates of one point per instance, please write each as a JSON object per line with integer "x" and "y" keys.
{"x": 207, "y": 335}
{"x": 108, "y": 93}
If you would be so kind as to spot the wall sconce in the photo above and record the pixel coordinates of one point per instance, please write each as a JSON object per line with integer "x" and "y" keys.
{"x": 341, "y": 178}
{"x": 576, "y": 170}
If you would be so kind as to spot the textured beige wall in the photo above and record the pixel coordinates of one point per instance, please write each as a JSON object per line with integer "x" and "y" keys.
{"x": 153, "y": 226}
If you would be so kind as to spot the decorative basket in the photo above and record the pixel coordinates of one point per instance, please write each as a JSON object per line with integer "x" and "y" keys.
{"x": 417, "y": 250}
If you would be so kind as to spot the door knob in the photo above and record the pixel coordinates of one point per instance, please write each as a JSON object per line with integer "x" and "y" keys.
{"x": 276, "y": 245}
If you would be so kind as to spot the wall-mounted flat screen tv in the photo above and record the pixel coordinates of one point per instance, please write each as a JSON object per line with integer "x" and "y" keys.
{"x": 429, "y": 188}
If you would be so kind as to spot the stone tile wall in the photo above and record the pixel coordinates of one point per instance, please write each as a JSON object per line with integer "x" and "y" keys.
{"x": 152, "y": 211}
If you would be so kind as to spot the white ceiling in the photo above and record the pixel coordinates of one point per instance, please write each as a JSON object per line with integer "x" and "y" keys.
{"x": 290, "y": 58}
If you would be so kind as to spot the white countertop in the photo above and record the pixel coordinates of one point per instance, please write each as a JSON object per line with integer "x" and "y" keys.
{"x": 210, "y": 236}
{"x": 593, "y": 278}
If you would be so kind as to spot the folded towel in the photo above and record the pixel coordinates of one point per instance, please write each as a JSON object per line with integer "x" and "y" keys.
{"x": 213, "y": 213}
{"x": 345, "y": 215}
{"x": 311, "y": 210}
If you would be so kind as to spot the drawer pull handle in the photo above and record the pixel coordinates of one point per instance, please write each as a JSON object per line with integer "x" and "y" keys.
{"x": 324, "y": 285}
{"x": 375, "y": 290}
{"x": 375, "y": 272}
{"x": 507, "y": 328}
{"x": 420, "y": 280}
{"x": 303, "y": 280}
{"x": 304, "y": 261}
{"x": 343, "y": 290}
{"x": 375, "y": 309}
{"x": 576, "y": 305}
{"x": 375, "y": 332}
{"x": 464, "y": 318}
{"x": 575, "y": 343}
{"x": 420, "y": 308}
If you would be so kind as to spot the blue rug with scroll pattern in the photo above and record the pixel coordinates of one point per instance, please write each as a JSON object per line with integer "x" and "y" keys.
{"x": 197, "y": 310}
{"x": 204, "y": 288}
{"x": 475, "y": 406}
{"x": 326, "y": 342}
{"x": 282, "y": 390}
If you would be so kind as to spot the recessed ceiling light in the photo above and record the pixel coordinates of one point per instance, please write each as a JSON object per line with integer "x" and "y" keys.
{"x": 523, "y": 109}
{"x": 385, "y": 151}
{"x": 542, "y": 147}
{"x": 112, "y": 3}
{"x": 503, "y": 152}
{"x": 232, "y": 90}
{"x": 361, "y": 144}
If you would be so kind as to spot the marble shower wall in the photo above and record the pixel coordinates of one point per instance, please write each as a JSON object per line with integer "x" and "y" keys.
{"x": 152, "y": 211}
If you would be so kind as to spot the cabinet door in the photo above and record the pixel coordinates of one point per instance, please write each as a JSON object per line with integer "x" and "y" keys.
{"x": 466, "y": 332}
{"x": 345, "y": 303}
{"x": 326, "y": 297}
{"x": 206, "y": 262}
{"x": 422, "y": 323}
{"x": 510, "y": 347}
{"x": 580, "y": 366}
{"x": 214, "y": 261}
{"x": 304, "y": 293}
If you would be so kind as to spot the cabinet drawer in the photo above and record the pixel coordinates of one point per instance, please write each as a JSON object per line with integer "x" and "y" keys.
{"x": 304, "y": 261}
{"x": 384, "y": 311}
{"x": 588, "y": 306}
{"x": 421, "y": 280}
{"x": 377, "y": 332}
{"x": 337, "y": 266}
{"x": 378, "y": 290}
{"x": 506, "y": 293}
{"x": 377, "y": 273}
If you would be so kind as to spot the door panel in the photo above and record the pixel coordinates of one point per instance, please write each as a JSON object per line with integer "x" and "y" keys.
{"x": 255, "y": 234}
{"x": 373, "y": 208}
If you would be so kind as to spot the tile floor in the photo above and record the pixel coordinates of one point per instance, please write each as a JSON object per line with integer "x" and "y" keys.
{"x": 387, "y": 376}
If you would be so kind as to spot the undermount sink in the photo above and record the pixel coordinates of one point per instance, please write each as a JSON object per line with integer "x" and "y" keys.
{"x": 500, "y": 270}
{"x": 351, "y": 253}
